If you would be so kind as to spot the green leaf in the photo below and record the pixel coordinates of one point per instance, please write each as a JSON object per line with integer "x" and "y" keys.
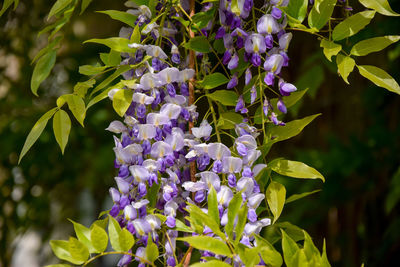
{"x": 297, "y": 9}
{"x": 202, "y": 218}
{"x": 6, "y": 5}
{"x": 380, "y": 6}
{"x": 42, "y": 70}
{"x": 181, "y": 227}
{"x": 122, "y": 16}
{"x": 58, "y": 7}
{"x": 320, "y": 14}
{"x": 275, "y": 195}
{"x": 379, "y": 77}
{"x": 61, "y": 128}
{"x": 122, "y": 99}
{"x": 295, "y": 232}
{"x": 77, "y": 249}
{"x": 208, "y": 243}
{"x": 345, "y": 66}
{"x": 47, "y": 48}
{"x": 77, "y": 107}
{"x": 294, "y": 169}
{"x": 110, "y": 78}
{"x": 115, "y": 43}
{"x": 125, "y": 239}
{"x": 85, "y": 4}
{"x": 268, "y": 253}
{"x": 213, "y": 205}
{"x": 213, "y": 80}
{"x": 211, "y": 263}
{"x": 330, "y": 48}
{"x": 201, "y": 19}
{"x": 113, "y": 231}
{"x": 241, "y": 223}
{"x": 295, "y": 197}
{"x": 98, "y": 238}
{"x": 136, "y": 36}
{"x": 83, "y": 234}
{"x": 225, "y": 97}
{"x": 324, "y": 257}
{"x": 299, "y": 260}
{"x": 36, "y": 131}
{"x": 228, "y": 120}
{"x": 81, "y": 87}
{"x": 352, "y": 25}
{"x": 289, "y": 248}
{"x": 291, "y": 128}
{"x": 198, "y": 44}
{"x": 233, "y": 210}
{"x": 112, "y": 59}
{"x": 91, "y": 70}
{"x": 151, "y": 250}
{"x": 249, "y": 256}
{"x": 371, "y": 45}
{"x": 61, "y": 250}
{"x": 310, "y": 249}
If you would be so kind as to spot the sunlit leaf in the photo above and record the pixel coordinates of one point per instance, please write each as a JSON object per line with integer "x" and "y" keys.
{"x": 379, "y": 77}
{"x": 83, "y": 234}
{"x": 275, "y": 196}
{"x": 320, "y": 14}
{"x": 122, "y": 16}
{"x": 330, "y": 48}
{"x": 380, "y": 6}
{"x": 115, "y": 43}
{"x": 36, "y": 131}
{"x": 213, "y": 205}
{"x": 58, "y": 7}
{"x": 228, "y": 120}
{"x": 61, "y": 250}
{"x": 151, "y": 250}
{"x": 77, "y": 249}
{"x": 352, "y": 25}
{"x": 122, "y": 99}
{"x": 42, "y": 70}
{"x": 85, "y": 4}
{"x": 371, "y": 45}
{"x": 345, "y": 66}
{"x": 233, "y": 210}
{"x": 294, "y": 169}
{"x": 297, "y": 9}
{"x": 208, "y": 243}
{"x": 98, "y": 238}
{"x": 211, "y": 263}
{"x": 61, "y": 128}
{"x": 295, "y": 197}
{"x": 289, "y": 248}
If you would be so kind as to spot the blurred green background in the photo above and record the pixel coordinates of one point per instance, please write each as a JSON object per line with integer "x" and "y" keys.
{"x": 355, "y": 144}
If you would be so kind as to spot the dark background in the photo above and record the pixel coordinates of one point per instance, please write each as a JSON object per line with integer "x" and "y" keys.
{"x": 354, "y": 144}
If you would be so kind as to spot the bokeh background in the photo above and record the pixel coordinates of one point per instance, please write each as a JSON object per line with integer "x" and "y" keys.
{"x": 355, "y": 144}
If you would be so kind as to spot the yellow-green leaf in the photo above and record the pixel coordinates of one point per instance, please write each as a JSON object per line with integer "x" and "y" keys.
{"x": 330, "y": 48}
{"x": 225, "y": 97}
{"x": 345, "y": 66}
{"x": 42, "y": 70}
{"x": 77, "y": 249}
{"x": 208, "y": 243}
{"x": 295, "y": 197}
{"x": 85, "y": 4}
{"x": 211, "y": 263}
{"x": 77, "y": 107}
{"x": 276, "y": 194}
{"x": 352, "y": 25}
{"x": 289, "y": 247}
{"x": 321, "y": 13}
{"x": 294, "y": 169}
{"x": 371, "y": 45}
{"x": 122, "y": 16}
{"x": 36, "y": 131}
{"x": 115, "y": 43}
{"x": 380, "y": 6}
{"x": 58, "y": 7}
{"x": 122, "y": 100}
{"x": 126, "y": 240}
{"x": 379, "y": 77}
{"x": 199, "y": 44}
{"x": 61, "y": 250}
{"x": 61, "y": 128}
{"x": 6, "y": 5}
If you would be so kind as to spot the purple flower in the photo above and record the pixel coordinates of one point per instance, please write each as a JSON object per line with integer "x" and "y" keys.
{"x": 267, "y": 25}
{"x": 274, "y": 63}
{"x": 247, "y": 76}
{"x": 286, "y": 88}
{"x": 233, "y": 82}
{"x": 253, "y": 94}
{"x": 276, "y": 13}
{"x": 281, "y": 106}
